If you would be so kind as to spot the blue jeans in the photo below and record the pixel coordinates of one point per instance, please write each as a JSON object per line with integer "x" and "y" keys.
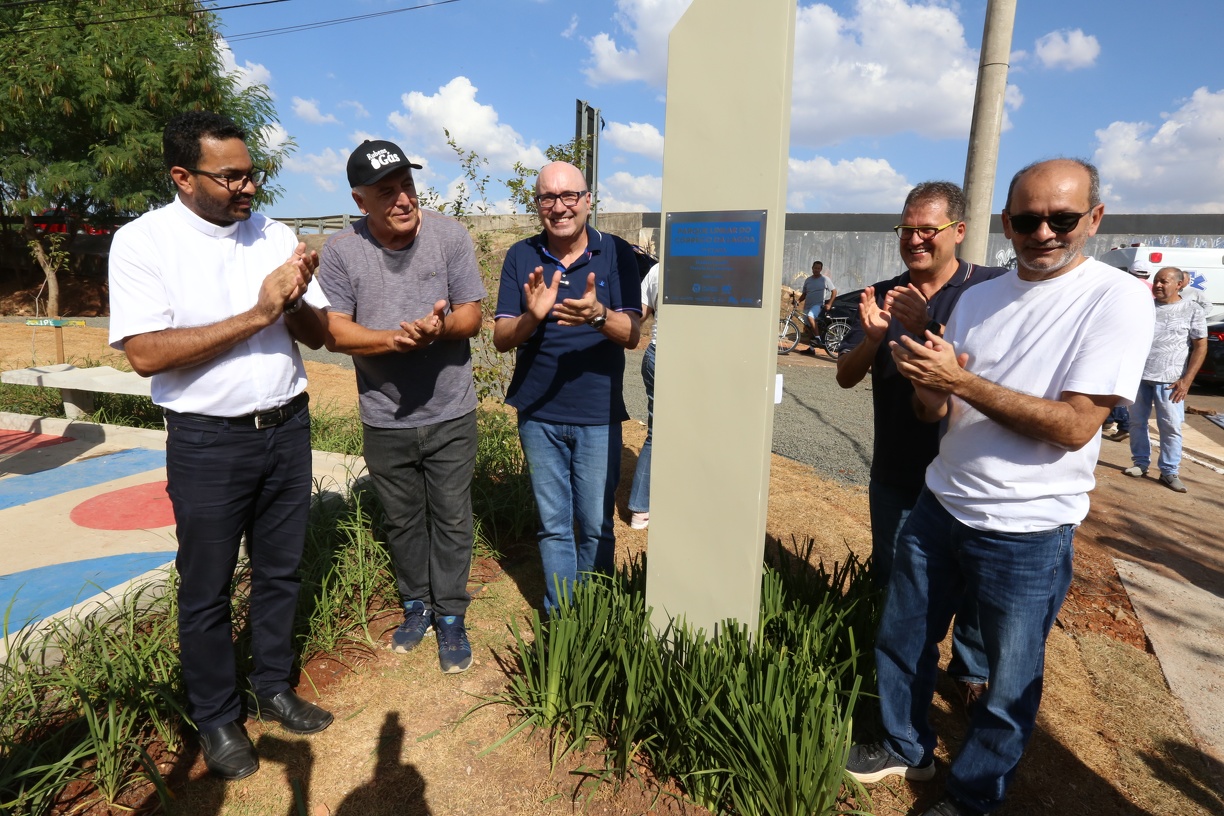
{"x": 574, "y": 473}
{"x": 1019, "y": 581}
{"x": 1169, "y": 418}
{"x": 1120, "y": 415}
{"x": 427, "y": 467}
{"x": 224, "y": 481}
{"x": 639, "y": 496}
{"x": 890, "y": 506}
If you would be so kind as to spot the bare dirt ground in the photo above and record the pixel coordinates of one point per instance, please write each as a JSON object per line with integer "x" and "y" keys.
{"x": 1111, "y": 738}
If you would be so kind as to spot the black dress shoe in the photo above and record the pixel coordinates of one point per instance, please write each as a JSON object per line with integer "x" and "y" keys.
{"x": 228, "y": 752}
{"x": 292, "y": 712}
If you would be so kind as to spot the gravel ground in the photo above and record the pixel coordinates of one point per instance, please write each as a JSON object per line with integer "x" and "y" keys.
{"x": 818, "y": 423}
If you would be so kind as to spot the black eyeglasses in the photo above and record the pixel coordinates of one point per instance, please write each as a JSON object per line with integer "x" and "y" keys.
{"x": 569, "y": 198}
{"x": 905, "y": 232}
{"x": 234, "y": 181}
{"x": 1028, "y": 223}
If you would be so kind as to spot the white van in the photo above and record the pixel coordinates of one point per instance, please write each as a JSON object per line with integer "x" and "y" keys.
{"x": 1205, "y": 265}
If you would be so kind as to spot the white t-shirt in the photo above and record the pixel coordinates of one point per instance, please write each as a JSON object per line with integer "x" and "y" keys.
{"x": 1086, "y": 331}
{"x": 650, "y": 297}
{"x": 172, "y": 269}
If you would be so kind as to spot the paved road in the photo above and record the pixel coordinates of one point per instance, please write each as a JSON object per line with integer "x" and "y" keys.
{"x": 817, "y": 423}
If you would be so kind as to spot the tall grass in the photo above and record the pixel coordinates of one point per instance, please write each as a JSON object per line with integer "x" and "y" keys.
{"x": 747, "y": 721}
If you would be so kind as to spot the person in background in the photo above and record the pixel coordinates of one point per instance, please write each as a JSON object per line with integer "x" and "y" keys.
{"x": 639, "y": 496}
{"x": 817, "y": 297}
{"x": 1179, "y": 346}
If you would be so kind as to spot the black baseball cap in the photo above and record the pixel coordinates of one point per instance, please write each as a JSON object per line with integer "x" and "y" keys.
{"x": 374, "y": 159}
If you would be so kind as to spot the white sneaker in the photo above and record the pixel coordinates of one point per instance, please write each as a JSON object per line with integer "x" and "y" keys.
{"x": 639, "y": 521}
{"x": 1136, "y": 471}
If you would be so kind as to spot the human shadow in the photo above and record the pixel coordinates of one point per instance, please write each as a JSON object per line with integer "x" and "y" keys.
{"x": 296, "y": 757}
{"x": 397, "y": 788}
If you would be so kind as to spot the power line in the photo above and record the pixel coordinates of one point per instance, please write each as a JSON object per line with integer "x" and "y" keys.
{"x": 273, "y": 32}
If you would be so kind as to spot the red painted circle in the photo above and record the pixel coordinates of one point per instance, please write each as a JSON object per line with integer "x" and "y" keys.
{"x": 142, "y": 507}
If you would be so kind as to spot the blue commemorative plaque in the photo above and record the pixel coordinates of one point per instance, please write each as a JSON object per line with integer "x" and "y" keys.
{"x": 715, "y": 258}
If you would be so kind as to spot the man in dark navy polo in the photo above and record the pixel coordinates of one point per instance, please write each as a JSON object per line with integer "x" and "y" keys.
{"x": 570, "y": 303}
{"x": 921, "y": 297}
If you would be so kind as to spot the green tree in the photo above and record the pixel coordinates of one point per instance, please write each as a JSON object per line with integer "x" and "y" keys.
{"x": 85, "y": 92}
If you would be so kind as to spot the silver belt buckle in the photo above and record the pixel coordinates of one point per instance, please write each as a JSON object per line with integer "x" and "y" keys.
{"x": 268, "y": 419}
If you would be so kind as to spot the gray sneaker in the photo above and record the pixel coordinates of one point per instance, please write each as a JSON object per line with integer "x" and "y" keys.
{"x": 1136, "y": 471}
{"x": 1171, "y": 481}
{"x": 871, "y": 763}
{"x": 418, "y": 622}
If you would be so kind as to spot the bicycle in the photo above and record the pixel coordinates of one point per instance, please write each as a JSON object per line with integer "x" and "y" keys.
{"x": 832, "y": 331}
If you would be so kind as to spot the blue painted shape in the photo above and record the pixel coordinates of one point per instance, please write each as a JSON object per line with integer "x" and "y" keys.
{"x": 31, "y": 595}
{"x": 26, "y": 488}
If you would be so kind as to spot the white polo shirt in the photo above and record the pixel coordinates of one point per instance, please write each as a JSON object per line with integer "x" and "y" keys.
{"x": 172, "y": 269}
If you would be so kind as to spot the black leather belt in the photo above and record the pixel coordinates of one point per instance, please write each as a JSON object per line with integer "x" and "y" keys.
{"x": 261, "y": 419}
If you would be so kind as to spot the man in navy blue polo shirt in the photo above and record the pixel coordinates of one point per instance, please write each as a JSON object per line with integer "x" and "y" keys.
{"x": 920, "y": 298}
{"x": 570, "y": 302}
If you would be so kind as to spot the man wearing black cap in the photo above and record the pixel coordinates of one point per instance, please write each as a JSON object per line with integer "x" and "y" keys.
{"x": 405, "y": 291}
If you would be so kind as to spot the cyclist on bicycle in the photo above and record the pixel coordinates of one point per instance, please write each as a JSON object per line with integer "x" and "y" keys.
{"x": 817, "y": 297}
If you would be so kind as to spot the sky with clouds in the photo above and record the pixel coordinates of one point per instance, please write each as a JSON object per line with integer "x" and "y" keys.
{"x": 882, "y": 96}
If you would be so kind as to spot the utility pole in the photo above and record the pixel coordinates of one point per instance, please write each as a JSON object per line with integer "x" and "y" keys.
{"x": 983, "y": 157}
{"x": 586, "y": 138}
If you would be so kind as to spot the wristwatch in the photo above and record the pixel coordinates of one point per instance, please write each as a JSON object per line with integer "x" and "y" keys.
{"x": 935, "y": 327}
{"x": 598, "y": 321}
{"x": 293, "y": 307}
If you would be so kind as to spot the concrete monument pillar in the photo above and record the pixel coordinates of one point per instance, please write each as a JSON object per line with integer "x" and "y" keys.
{"x": 724, "y": 193}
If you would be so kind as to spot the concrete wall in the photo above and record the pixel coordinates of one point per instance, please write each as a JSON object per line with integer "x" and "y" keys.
{"x": 859, "y": 249}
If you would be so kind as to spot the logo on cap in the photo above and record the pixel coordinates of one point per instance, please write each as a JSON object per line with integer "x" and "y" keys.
{"x": 383, "y": 157}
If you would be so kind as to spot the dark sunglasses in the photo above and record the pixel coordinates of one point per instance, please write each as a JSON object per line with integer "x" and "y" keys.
{"x": 1028, "y": 223}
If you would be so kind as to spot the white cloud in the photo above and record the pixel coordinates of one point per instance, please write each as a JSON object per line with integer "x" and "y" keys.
{"x": 636, "y": 137}
{"x": 625, "y": 192}
{"x": 359, "y": 110}
{"x": 275, "y": 138}
{"x": 571, "y": 28}
{"x": 308, "y": 109}
{"x": 473, "y": 126}
{"x": 647, "y": 24}
{"x": 1068, "y": 50}
{"x": 248, "y": 74}
{"x": 887, "y": 67}
{"x": 1176, "y": 167}
{"x": 854, "y": 185}
{"x": 327, "y": 167}
{"x": 359, "y": 136}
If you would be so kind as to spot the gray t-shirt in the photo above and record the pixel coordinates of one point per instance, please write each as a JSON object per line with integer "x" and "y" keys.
{"x": 380, "y": 288}
{"x": 1176, "y": 324}
{"x": 816, "y": 291}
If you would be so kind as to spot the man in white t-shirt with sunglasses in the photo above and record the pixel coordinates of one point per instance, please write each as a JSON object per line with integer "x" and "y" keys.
{"x": 1029, "y": 366}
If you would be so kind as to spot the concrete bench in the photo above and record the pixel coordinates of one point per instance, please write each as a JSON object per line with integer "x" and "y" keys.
{"x": 78, "y": 385}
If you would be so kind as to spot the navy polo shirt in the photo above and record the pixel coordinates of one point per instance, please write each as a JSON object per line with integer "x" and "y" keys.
{"x": 570, "y": 374}
{"x": 904, "y": 445}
